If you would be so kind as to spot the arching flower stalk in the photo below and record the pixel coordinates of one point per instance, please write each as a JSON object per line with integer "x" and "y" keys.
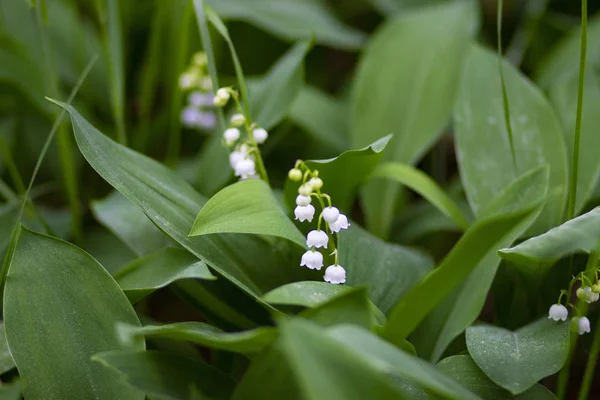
{"x": 196, "y": 84}
{"x": 242, "y": 138}
{"x": 330, "y": 222}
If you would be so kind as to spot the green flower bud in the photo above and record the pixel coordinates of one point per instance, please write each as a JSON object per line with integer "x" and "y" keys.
{"x": 316, "y": 183}
{"x": 295, "y": 174}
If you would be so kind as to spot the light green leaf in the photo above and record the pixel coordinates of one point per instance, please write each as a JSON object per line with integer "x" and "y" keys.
{"x": 469, "y": 298}
{"x": 203, "y": 334}
{"x": 351, "y": 307}
{"x": 322, "y": 116}
{"x": 306, "y": 294}
{"x": 518, "y": 360}
{"x": 484, "y": 153}
{"x": 168, "y": 376}
{"x": 389, "y": 270}
{"x": 279, "y": 87}
{"x": 405, "y": 85}
{"x": 246, "y": 207}
{"x": 537, "y": 254}
{"x": 421, "y": 183}
{"x": 128, "y": 223}
{"x": 385, "y": 357}
{"x": 292, "y": 20}
{"x": 464, "y": 371}
{"x": 145, "y": 275}
{"x": 10, "y": 391}
{"x": 172, "y": 204}
{"x": 563, "y": 95}
{"x": 79, "y": 303}
{"x": 342, "y": 175}
{"x": 481, "y": 239}
{"x": 6, "y": 361}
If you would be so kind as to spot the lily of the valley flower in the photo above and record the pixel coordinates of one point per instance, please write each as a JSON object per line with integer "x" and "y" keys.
{"x": 331, "y": 214}
{"x": 335, "y": 274}
{"x": 302, "y": 200}
{"x": 245, "y": 168}
{"x": 340, "y": 223}
{"x": 295, "y": 174}
{"x": 231, "y": 135}
{"x": 582, "y": 324}
{"x": 221, "y": 97}
{"x": 312, "y": 260}
{"x": 317, "y": 239}
{"x": 558, "y": 312}
{"x": 586, "y": 294}
{"x": 238, "y": 120}
{"x": 316, "y": 183}
{"x": 305, "y": 189}
{"x": 260, "y": 135}
{"x": 304, "y": 213}
{"x": 200, "y": 99}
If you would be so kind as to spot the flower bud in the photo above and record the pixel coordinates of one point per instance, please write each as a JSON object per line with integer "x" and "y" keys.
{"x": 260, "y": 135}
{"x": 303, "y": 200}
{"x": 231, "y": 135}
{"x": 295, "y": 174}
{"x": 200, "y": 59}
{"x": 305, "y": 189}
{"x": 596, "y": 287}
{"x": 238, "y": 120}
{"x": 316, "y": 183}
{"x": 221, "y": 97}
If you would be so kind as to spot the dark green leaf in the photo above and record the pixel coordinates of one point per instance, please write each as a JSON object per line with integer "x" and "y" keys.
{"x": 168, "y": 376}
{"x": 485, "y": 159}
{"x": 6, "y": 361}
{"x": 203, "y": 334}
{"x": 517, "y": 360}
{"x": 405, "y": 85}
{"x": 79, "y": 303}
{"x": 10, "y": 391}
{"x": 351, "y": 307}
{"x": 246, "y": 207}
{"x": 147, "y": 274}
{"x": 292, "y": 20}
{"x": 306, "y": 294}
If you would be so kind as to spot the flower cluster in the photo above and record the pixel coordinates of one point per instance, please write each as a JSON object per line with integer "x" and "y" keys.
{"x": 196, "y": 83}
{"x": 587, "y": 292}
{"x": 244, "y": 154}
{"x": 333, "y": 219}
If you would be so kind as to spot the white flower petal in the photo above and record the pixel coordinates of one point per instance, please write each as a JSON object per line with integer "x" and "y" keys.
{"x": 317, "y": 239}
{"x": 304, "y": 213}
{"x": 558, "y": 312}
{"x": 312, "y": 260}
{"x": 335, "y": 274}
{"x": 303, "y": 200}
{"x": 331, "y": 214}
{"x": 260, "y": 135}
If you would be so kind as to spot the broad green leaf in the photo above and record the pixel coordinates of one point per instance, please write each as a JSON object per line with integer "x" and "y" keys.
{"x": 306, "y": 294}
{"x": 246, "y": 207}
{"x": 326, "y": 369}
{"x": 292, "y": 20}
{"x": 203, "y": 334}
{"x": 518, "y": 360}
{"x": 79, "y": 303}
{"x": 6, "y": 361}
{"x": 563, "y": 95}
{"x": 464, "y": 371}
{"x": 351, "y": 307}
{"x": 425, "y": 186}
{"x": 481, "y": 239}
{"x": 406, "y": 85}
{"x": 484, "y": 154}
{"x": 10, "y": 391}
{"x": 388, "y": 359}
{"x": 537, "y": 254}
{"x": 167, "y": 376}
{"x": 145, "y": 275}
{"x": 391, "y": 7}
{"x": 469, "y": 298}
{"x": 322, "y": 116}
{"x": 109, "y": 250}
{"x": 389, "y": 270}
{"x": 342, "y": 175}
{"x": 279, "y": 87}
{"x": 128, "y": 223}
{"x": 172, "y": 204}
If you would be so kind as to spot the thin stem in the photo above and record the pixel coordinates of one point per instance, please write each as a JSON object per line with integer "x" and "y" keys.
{"x": 582, "y": 62}
{"x": 12, "y": 167}
{"x": 590, "y": 367}
{"x": 503, "y": 84}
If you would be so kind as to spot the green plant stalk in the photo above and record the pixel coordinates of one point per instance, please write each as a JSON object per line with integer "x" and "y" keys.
{"x": 563, "y": 376}
{"x": 503, "y": 84}
{"x": 590, "y": 367}
{"x": 582, "y": 62}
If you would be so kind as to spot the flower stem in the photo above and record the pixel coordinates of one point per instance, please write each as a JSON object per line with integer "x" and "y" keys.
{"x": 590, "y": 367}
{"x": 582, "y": 62}
{"x": 260, "y": 165}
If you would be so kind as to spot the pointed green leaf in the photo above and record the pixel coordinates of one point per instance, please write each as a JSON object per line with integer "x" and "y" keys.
{"x": 79, "y": 303}
{"x": 203, "y": 334}
{"x": 292, "y": 20}
{"x": 168, "y": 376}
{"x": 518, "y": 360}
{"x": 351, "y": 307}
{"x": 484, "y": 153}
{"x": 406, "y": 85}
{"x": 537, "y": 254}
{"x": 145, "y": 275}
{"x": 306, "y": 294}
{"x": 6, "y": 361}
{"x": 246, "y": 207}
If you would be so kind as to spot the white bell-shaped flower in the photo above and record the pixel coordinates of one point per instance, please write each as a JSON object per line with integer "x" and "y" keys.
{"x": 582, "y": 324}
{"x": 200, "y": 99}
{"x": 312, "y": 260}
{"x": 245, "y": 168}
{"x": 304, "y": 213}
{"x": 235, "y": 157}
{"x": 231, "y": 135}
{"x": 335, "y": 274}
{"x": 331, "y": 214}
{"x": 260, "y": 135}
{"x": 340, "y": 223}
{"x": 317, "y": 239}
{"x": 303, "y": 200}
{"x": 238, "y": 120}
{"x": 558, "y": 312}
{"x": 221, "y": 97}
{"x": 190, "y": 116}
{"x": 587, "y": 294}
